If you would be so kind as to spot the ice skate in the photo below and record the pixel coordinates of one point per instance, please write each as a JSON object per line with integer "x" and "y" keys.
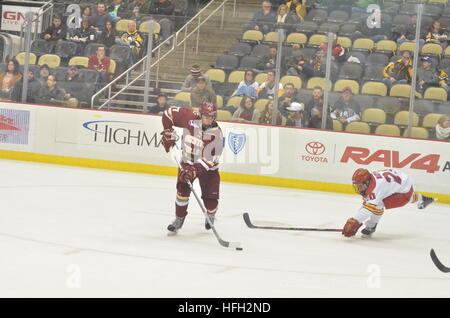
{"x": 211, "y": 218}
{"x": 425, "y": 202}
{"x": 368, "y": 231}
{"x": 175, "y": 226}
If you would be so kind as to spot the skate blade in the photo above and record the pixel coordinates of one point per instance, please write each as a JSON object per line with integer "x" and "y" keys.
{"x": 366, "y": 235}
{"x": 170, "y": 233}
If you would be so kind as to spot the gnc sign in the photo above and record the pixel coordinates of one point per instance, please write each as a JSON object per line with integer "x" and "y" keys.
{"x": 392, "y": 159}
{"x": 14, "y": 16}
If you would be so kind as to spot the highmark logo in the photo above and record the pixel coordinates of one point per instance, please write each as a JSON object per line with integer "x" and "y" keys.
{"x": 121, "y": 133}
{"x": 315, "y": 149}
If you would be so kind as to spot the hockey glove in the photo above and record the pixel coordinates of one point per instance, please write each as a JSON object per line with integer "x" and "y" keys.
{"x": 351, "y": 227}
{"x": 169, "y": 137}
{"x": 188, "y": 174}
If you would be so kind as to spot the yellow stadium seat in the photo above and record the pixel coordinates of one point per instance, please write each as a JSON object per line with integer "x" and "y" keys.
{"x": 344, "y": 41}
{"x": 21, "y": 58}
{"x": 144, "y": 27}
{"x": 271, "y": 37}
{"x": 431, "y": 48}
{"x": 363, "y": 44}
{"x": 431, "y": 120}
{"x": 234, "y": 101}
{"x": 318, "y": 81}
{"x": 183, "y": 96}
{"x": 407, "y": 46}
{"x": 122, "y": 25}
{"x": 297, "y": 38}
{"x": 236, "y": 77}
{"x": 402, "y": 118}
{"x": 219, "y": 101}
{"x": 447, "y": 51}
{"x": 51, "y": 60}
{"x": 387, "y": 130}
{"x": 436, "y": 93}
{"x": 400, "y": 90}
{"x": 297, "y": 81}
{"x": 358, "y": 127}
{"x": 374, "y": 88}
{"x": 386, "y": 46}
{"x": 79, "y": 60}
{"x": 253, "y": 35}
{"x": 341, "y": 84}
{"x": 337, "y": 125}
{"x": 261, "y": 104}
{"x": 112, "y": 67}
{"x": 223, "y": 115}
{"x": 317, "y": 40}
{"x": 216, "y": 75}
{"x": 417, "y": 132}
{"x": 261, "y": 78}
{"x": 374, "y": 115}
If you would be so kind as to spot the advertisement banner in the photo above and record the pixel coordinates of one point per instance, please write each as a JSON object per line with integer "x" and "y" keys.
{"x": 14, "y": 126}
{"x": 13, "y": 17}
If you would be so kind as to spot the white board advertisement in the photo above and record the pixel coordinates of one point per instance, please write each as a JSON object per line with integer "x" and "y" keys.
{"x": 13, "y": 16}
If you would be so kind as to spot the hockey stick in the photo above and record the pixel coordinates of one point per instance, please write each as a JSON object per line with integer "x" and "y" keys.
{"x": 235, "y": 245}
{"x": 252, "y": 226}
{"x": 438, "y": 264}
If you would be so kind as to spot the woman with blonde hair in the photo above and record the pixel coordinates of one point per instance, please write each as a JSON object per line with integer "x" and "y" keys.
{"x": 443, "y": 128}
{"x": 266, "y": 115}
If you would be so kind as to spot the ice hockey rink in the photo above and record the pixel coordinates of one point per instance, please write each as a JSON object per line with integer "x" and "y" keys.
{"x": 76, "y": 232}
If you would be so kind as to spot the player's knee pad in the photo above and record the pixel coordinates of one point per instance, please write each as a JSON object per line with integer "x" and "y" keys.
{"x": 211, "y": 205}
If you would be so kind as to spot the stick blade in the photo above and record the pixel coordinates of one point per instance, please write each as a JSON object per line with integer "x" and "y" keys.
{"x": 438, "y": 264}
{"x": 247, "y": 221}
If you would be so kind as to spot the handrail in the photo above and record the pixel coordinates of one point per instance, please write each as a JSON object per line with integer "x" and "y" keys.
{"x": 175, "y": 44}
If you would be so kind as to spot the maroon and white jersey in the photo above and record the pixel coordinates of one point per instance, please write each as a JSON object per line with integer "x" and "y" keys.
{"x": 198, "y": 145}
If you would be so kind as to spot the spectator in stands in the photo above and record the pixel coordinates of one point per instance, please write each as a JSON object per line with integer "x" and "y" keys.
{"x": 289, "y": 97}
{"x": 247, "y": 111}
{"x": 399, "y": 71}
{"x": 108, "y": 37}
{"x": 248, "y": 87}
{"x": 301, "y": 68}
{"x": 137, "y": 8}
{"x": 32, "y": 92}
{"x": 297, "y": 11}
{"x": 202, "y": 93}
{"x": 263, "y": 20}
{"x": 190, "y": 80}
{"x": 161, "y": 104}
{"x": 281, "y": 16}
{"x": 426, "y": 75}
{"x": 83, "y": 36}
{"x": 117, "y": 10}
{"x": 436, "y": 35}
{"x": 10, "y": 78}
{"x": 99, "y": 19}
{"x": 442, "y": 130}
{"x": 55, "y": 33}
{"x": 44, "y": 72}
{"x": 267, "y": 89}
{"x": 346, "y": 109}
{"x": 407, "y": 33}
{"x": 163, "y": 11}
{"x": 313, "y": 111}
{"x": 86, "y": 12}
{"x": 268, "y": 61}
{"x": 50, "y": 93}
{"x": 72, "y": 83}
{"x": 100, "y": 63}
{"x": 294, "y": 115}
{"x": 133, "y": 39}
{"x": 318, "y": 63}
{"x": 266, "y": 115}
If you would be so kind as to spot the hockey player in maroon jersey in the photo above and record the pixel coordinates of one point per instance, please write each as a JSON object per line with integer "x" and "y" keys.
{"x": 202, "y": 146}
{"x": 381, "y": 189}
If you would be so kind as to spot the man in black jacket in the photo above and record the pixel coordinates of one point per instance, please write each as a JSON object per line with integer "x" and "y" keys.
{"x": 163, "y": 13}
{"x": 56, "y": 32}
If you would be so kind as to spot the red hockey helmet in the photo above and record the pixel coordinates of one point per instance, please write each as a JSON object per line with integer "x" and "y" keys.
{"x": 360, "y": 180}
{"x": 208, "y": 109}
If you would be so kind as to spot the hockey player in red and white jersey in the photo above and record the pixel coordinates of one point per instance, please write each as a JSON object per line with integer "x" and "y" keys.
{"x": 202, "y": 145}
{"x": 384, "y": 189}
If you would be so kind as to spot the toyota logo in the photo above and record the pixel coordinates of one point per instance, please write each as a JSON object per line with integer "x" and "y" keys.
{"x": 315, "y": 148}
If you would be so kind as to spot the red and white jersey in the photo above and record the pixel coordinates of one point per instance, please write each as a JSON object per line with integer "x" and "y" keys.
{"x": 383, "y": 184}
{"x": 198, "y": 145}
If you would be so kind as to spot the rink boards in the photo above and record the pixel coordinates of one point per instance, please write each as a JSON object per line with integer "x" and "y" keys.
{"x": 253, "y": 154}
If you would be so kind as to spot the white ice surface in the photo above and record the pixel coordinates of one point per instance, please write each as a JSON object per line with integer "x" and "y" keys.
{"x": 73, "y": 232}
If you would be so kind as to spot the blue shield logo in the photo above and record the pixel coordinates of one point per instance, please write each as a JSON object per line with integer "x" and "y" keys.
{"x": 236, "y": 142}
